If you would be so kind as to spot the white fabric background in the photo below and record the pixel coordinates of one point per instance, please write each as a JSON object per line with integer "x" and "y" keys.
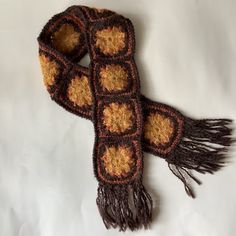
{"x": 186, "y": 54}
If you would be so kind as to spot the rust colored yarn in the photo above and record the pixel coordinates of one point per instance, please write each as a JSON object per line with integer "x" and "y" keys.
{"x": 126, "y": 123}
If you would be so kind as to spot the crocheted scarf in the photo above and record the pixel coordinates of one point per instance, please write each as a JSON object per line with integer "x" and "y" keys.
{"x": 126, "y": 123}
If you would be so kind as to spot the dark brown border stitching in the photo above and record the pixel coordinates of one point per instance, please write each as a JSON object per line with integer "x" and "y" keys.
{"x": 93, "y": 15}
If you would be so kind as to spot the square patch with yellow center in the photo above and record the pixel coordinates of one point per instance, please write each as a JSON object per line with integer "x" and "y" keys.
{"x": 65, "y": 36}
{"x": 111, "y": 38}
{"x": 162, "y": 129}
{"x": 118, "y": 163}
{"x": 118, "y": 118}
{"x": 115, "y": 78}
{"x": 75, "y": 94}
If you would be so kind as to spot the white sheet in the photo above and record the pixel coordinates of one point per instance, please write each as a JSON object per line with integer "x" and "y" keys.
{"x": 186, "y": 54}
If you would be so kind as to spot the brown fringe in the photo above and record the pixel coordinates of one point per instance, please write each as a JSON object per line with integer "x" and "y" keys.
{"x": 203, "y": 149}
{"x": 125, "y": 206}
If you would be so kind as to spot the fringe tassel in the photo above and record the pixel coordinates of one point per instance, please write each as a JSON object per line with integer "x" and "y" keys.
{"x": 124, "y": 206}
{"x": 203, "y": 149}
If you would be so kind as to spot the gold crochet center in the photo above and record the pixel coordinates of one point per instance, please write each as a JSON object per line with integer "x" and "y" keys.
{"x": 66, "y": 38}
{"x": 117, "y": 117}
{"x": 113, "y": 78}
{"x": 50, "y": 70}
{"x": 158, "y": 129}
{"x": 79, "y": 91}
{"x": 118, "y": 161}
{"x": 111, "y": 40}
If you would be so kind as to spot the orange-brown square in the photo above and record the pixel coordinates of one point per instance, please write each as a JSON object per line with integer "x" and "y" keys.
{"x": 112, "y": 38}
{"x": 118, "y": 78}
{"x": 118, "y": 118}
{"x": 118, "y": 163}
